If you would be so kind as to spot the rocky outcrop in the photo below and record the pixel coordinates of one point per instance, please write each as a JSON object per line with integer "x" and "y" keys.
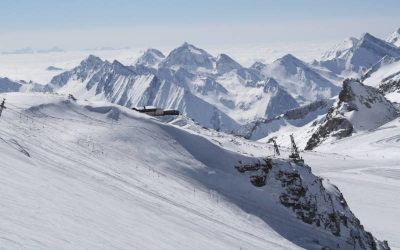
{"x": 356, "y": 104}
{"x": 310, "y": 199}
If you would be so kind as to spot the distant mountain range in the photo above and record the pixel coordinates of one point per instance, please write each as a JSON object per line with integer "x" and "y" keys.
{"x": 217, "y": 92}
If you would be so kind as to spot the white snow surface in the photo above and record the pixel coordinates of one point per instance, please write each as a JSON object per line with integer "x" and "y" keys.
{"x": 383, "y": 73}
{"x": 96, "y": 175}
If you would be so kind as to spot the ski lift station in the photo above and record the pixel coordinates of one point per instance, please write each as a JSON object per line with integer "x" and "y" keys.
{"x": 154, "y": 111}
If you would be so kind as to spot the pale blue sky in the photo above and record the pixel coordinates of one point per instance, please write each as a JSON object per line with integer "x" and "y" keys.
{"x": 77, "y": 24}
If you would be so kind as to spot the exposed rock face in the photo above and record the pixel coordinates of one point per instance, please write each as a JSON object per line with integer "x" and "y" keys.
{"x": 357, "y": 103}
{"x": 390, "y": 86}
{"x": 303, "y": 111}
{"x": 312, "y": 200}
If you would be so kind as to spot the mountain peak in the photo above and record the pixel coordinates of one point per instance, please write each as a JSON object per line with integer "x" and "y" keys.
{"x": 225, "y": 64}
{"x": 258, "y": 66}
{"x": 368, "y": 40}
{"x": 189, "y": 57}
{"x": 291, "y": 59}
{"x": 91, "y": 60}
{"x": 151, "y": 57}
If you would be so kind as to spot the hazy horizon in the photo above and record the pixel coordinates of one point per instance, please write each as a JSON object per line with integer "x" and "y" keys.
{"x": 78, "y": 25}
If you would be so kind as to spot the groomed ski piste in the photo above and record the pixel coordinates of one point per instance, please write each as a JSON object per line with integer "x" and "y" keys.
{"x": 96, "y": 175}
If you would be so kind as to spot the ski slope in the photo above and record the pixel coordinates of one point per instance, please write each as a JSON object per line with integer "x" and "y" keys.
{"x": 72, "y": 178}
{"x": 366, "y": 168}
{"x": 95, "y": 175}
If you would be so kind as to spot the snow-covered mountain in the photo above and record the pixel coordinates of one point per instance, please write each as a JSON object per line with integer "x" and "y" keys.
{"x": 340, "y": 49}
{"x": 358, "y": 55}
{"x": 217, "y": 92}
{"x": 8, "y": 85}
{"x": 189, "y": 57}
{"x": 300, "y": 80}
{"x": 114, "y": 178}
{"x": 138, "y": 86}
{"x": 394, "y": 38}
{"x": 150, "y": 58}
{"x": 286, "y": 123}
{"x": 225, "y": 64}
{"x": 359, "y": 108}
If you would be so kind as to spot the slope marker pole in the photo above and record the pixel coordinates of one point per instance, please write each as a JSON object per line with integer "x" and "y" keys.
{"x": 2, "y": 106}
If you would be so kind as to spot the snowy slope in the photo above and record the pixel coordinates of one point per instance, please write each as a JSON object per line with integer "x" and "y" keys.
{"x": 359, "y": 108}
{"x": 87, "y": 175}
{"x": 365, "y": 166}
{"x": 394, "y": 38}
{"x": 384, "y": 68}
{"x": 387, "y": 79}
{"x": 300, "y": 80}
